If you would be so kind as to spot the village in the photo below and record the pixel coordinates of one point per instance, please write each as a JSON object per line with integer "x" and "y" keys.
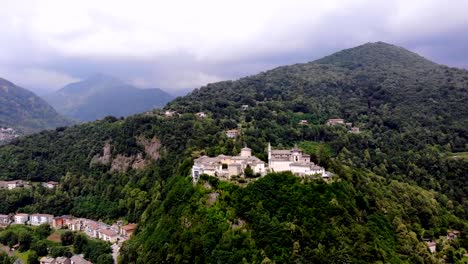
{"x": 115, "y": 234}
{"x": 118, "y": 232}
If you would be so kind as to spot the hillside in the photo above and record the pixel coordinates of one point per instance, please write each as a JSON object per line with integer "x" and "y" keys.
{"x": 101, "y": 96}
{"x": 24, "y": 111}
{"x": 376, "y": 84}
{"x": 397, "y": 181}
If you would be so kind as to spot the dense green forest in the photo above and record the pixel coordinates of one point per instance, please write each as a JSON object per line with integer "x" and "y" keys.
{"x": 397, "y": 183}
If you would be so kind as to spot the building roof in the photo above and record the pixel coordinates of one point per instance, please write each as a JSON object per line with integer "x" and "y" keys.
{"x": 108, "y": 232}
{"x": 47, "y": 260}
{"x": 77, "y": 259}
{"x": 43, "y": 215}
{"x": 129, "y": 227}
{"x": 21, "y": 214}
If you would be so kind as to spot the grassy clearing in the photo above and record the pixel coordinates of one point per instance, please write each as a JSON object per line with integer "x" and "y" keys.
{"x": 459, "y": 155}
{"x": 313, "y": 148}
{"x": 23, "y": 255}
{"x": 55, "y": 236}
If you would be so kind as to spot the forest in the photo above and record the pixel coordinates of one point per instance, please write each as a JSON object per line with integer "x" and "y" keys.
{"x": 398, "y": 183}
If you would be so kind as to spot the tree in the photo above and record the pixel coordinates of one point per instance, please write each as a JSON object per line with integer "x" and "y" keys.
{"x": 24, "y": 240}
{"x": 40, "y": 247}
{"x": 79, "y": 243}
{"x": 248, "y": 172}
{"x": 105, "y": 259}
{"x": 43, "y": 231}
{"x": 33, "y": 258}
{"x": 67, "y": 238}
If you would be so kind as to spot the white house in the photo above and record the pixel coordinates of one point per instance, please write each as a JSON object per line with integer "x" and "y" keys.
{"x": 21, "y": 218}
{"x": 4, "y": 220}
{"x": 50, "y": 184}
{"x": 39, "y": 219}
{"x": 335, "y": 121}
{"x": 432, "y": 246}
{"x": 201, "y": 114}
{"x": 293, "y": 160}
{"x": 108, "y": 234}
{"x": 225, "y": 167}
{"x": 232, "y": 133}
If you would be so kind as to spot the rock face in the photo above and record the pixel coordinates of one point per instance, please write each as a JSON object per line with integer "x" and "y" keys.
{"x": 106, "y": 156}
{"x": 151, "y": 147}
{"x": 122, "y": 163}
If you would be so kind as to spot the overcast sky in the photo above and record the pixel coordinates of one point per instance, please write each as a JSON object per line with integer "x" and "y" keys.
{"x": 178, "y": 44}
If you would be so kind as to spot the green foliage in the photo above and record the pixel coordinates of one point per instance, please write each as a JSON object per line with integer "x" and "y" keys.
{"x": 33, "y": 258}
{"x": 67, "y": 238}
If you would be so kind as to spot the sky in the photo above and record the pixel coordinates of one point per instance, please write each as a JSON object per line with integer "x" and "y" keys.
{"x": 178, "y": 45}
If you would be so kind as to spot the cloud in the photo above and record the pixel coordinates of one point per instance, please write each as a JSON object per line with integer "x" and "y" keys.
{"x": 184, "y": 44}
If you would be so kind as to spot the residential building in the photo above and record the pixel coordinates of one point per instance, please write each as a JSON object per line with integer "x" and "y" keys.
{"x": 232, "y": 133}
{"x": 77, "y": 259}
{"x": 61, "y": 221}
{"x": 201, "y": 114}
{"x": 21, "y": 218}
{"x": 10, "y": 185}
{"x": 335, "y": 121}
{"x": 244, "y": 107}
{"x": 39, "y": 219}
{"x": 432, "y": 246}
{"x": 108, "y": 234}
{"x": 127, "y": 230}
{"x": 47, "y": 260}
{"x": 5, "y": 220}
{"x": 451, "y": 235}
{"x": 303, "y": 122}
{"x": 62, "y": 260}
{"x": 355, "y": 130}
{"x": 293, "y": 160}
{"x": 225, "y": 167}
{"x": 170, "y": 113}
{"x": 50, "y": 184}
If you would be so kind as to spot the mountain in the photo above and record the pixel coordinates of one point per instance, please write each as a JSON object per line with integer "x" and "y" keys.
{"x": 375, "y": 85}
{"x": 24, "y": 111}
{"x": 101, "y": 96}
{"x": 397, "y": 181}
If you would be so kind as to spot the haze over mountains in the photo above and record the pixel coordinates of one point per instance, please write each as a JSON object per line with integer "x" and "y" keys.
{"x": 102, "y": 95}
{"x": 26, "y": 112}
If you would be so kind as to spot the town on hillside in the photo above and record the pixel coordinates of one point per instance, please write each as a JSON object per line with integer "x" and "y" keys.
{"x": 245, "y": 165}
{"x": 115, "y": 233}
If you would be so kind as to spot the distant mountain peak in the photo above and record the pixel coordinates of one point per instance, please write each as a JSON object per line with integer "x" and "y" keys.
{"x": 101, "y": 77}
{"x": 101, "y": 95}
{"x": 376, "y": 53}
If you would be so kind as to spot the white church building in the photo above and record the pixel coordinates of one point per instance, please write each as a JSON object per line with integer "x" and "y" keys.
{"x": 293, "y": 160}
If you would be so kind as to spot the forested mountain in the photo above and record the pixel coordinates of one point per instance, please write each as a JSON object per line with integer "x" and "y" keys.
{"x": 101, "y": 96}
{"x": 397, "y": 181}
{"x": 26, "y": 112}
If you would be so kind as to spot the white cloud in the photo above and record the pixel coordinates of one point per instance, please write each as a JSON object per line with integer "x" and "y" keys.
{"x": 39, "y": 80}
{"x": 205, "y": 34}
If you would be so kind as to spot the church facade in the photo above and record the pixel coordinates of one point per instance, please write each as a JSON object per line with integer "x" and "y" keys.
{"x": 294, "y": 160}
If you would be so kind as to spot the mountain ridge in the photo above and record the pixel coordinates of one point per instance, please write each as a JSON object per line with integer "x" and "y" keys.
{"x": 23, "y": 110}
{"x": 102, "y": 95}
